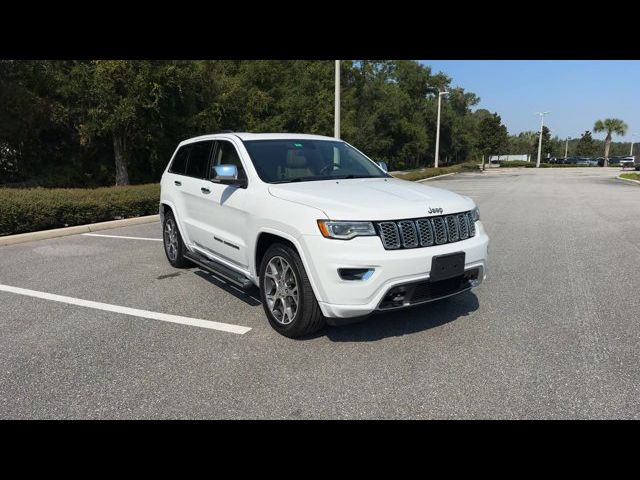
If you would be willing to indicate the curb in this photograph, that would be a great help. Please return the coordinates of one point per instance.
(629, 180)
(63, 232)
(437, 176)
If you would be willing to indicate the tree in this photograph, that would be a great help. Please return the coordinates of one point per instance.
(492, 135)
(586, 147)
(115, 99)
(609, 125)
(547, 146)
(524, 143)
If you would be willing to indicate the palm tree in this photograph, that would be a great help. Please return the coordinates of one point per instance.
(609, 125)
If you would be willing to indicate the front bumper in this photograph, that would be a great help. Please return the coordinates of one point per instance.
(340, 298)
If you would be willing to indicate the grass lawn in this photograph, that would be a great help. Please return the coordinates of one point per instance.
(630, 176)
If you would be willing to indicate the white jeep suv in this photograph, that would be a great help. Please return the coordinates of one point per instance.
(322, 230)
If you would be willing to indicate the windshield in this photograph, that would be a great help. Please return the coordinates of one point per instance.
(283, 161)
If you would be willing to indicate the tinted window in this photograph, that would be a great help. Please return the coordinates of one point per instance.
(179, 163)
(279, 161)
(226, 154)
(198, 159)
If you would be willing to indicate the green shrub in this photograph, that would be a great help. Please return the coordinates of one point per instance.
(516, 163)
(33, 209)
(400, 165)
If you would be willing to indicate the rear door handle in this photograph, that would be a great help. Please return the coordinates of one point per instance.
(205, 190)
(177, 182)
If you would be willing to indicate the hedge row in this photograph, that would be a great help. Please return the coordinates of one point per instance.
(516, 163)
(33, 209)
(434, 172)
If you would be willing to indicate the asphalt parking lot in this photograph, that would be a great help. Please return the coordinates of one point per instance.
(552, 333)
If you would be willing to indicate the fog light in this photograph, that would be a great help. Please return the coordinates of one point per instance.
(355, 273)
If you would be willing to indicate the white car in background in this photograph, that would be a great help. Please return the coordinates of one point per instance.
(322, 230)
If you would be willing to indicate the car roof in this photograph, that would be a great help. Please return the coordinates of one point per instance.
(247, 136)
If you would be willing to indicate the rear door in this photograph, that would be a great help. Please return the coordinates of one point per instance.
(196, 191)
(172, 184)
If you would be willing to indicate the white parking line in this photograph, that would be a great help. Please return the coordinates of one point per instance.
(165, 317)
(120, 236)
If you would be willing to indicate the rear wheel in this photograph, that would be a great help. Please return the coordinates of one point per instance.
(173, 245)
(286, 293)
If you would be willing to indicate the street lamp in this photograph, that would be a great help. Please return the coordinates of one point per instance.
(566, 148)
(440, 94)
(336, 116)
(633, 135)
(542, 114)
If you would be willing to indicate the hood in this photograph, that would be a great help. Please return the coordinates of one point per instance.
(372, 198)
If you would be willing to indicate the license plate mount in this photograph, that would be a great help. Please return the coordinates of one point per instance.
(447, 266)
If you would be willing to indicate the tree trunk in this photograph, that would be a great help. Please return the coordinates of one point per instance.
(607, 145)
(120, 154)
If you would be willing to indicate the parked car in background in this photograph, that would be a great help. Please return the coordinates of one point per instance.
(587, 162)
(628, 163)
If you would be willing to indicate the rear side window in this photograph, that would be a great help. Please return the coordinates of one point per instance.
(199, 159)
(179, 164)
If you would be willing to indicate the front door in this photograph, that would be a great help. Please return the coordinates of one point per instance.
(226, 212)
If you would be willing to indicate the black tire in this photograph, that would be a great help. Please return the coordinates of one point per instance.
(308, 317)
(179, 261)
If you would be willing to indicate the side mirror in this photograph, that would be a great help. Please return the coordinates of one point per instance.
(227, 174)
(383, 166)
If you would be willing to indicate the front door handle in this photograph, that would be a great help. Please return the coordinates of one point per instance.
(177, 182)
(205, 190)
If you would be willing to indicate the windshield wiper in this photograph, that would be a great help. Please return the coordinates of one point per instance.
(346, 177)
(301, 179)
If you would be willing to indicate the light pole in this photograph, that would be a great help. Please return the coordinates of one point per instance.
(542, 114)
(440, 94)
(566, 148)
(336, 116)
(631, 151)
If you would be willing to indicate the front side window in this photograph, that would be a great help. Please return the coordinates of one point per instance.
(282, 161)
(226, 154)
(199, 159)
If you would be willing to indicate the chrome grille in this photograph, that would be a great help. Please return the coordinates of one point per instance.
(472, 225)
(389, 235)
(408, 234)
(426, 232)
(439, 230)
(462, 226)
(452, 228)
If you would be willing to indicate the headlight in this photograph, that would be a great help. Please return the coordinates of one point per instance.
(475, 214)
(345, 230)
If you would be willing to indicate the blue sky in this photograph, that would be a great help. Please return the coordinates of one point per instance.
(576, 92)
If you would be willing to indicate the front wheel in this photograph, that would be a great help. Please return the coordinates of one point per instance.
(173, 245)
(286, 293)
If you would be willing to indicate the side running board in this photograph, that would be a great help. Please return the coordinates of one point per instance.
(220, 270)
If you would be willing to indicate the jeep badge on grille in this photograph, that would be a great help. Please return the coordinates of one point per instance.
(434, 210)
